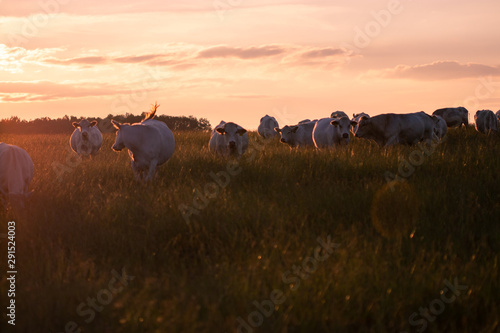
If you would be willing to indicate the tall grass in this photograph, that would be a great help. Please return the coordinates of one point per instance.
(398, 243)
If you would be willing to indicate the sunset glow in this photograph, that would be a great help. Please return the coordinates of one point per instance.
(240, 60)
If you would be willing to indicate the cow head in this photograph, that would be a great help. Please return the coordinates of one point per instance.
(338, 114)
(119, 143)
(287, 134)
(356, 117)
(363, 126)
(84, 126)
(343, 126)
(231, 133)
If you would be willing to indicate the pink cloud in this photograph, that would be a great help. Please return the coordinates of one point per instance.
(253, 52)
(45, 90)
(441, 70)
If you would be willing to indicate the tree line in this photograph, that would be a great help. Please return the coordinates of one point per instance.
(46, 125)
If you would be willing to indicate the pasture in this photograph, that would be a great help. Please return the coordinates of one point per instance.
(220, 246)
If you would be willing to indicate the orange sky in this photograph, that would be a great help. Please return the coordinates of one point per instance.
(238, 60)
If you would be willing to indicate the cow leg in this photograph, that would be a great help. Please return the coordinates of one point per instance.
(137, 172)
(392, 140)
(152, 169)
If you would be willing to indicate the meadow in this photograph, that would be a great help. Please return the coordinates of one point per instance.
(403, 239)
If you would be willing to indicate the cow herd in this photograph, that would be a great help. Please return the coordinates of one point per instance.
(151, 143)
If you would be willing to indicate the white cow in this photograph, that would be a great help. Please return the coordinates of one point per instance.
(486, 121)
(338, 114)
(299, 135)
(440, 127)
(388, 129)
(356, 117)
(454, 117)
(228, 139)
(150, 143)
(86, 139)
(331, 132)
(266, 127)
(16, 172)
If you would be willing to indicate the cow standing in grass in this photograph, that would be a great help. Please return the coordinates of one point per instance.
(389, 129)
(150, 143)
(228, 139)
(86, 139)
(16, 172)
(266, 127)
(299, 135)
(486, 121)
(332, 132)
(454, 117)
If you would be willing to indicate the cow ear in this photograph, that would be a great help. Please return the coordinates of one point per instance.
(116, 124)
(294, 129)
(353, 123)
(76, 125)
(93, 123)
(241, 131)
(334, 123)
(277, 129)
(221, 130)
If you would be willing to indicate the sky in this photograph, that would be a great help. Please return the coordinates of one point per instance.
(238, 60)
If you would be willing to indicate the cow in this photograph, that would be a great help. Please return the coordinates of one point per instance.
(266, 127)
(86, 139)
(440, 127)
(356, 117)
(299, 135)
(338, 114)
(303, 121)
(150, 143)
(486, 121)
(389, 129)
(454, 117)
(16, 172)
(331, 132)
(228, 140)
(498, 116)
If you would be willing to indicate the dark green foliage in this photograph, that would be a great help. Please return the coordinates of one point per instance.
(64, 125)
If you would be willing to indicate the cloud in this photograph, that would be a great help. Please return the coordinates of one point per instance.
(138, 59)
(13, 58)
(97, 7)
(32, 91)
(440, 70)
(327, 57)
(87, 60)
(181, 59)
(249, 96)
(18, 8)
(323, 53)
(253, 52)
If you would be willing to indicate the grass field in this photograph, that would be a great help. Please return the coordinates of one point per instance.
(220, 246)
